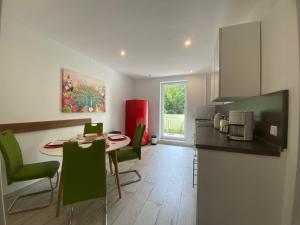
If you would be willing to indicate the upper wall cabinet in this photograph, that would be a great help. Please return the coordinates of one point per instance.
(211, 91)
(237, 62)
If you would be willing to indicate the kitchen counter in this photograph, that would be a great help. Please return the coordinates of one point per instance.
(211, 139)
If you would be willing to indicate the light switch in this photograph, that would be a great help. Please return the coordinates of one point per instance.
(273, 130)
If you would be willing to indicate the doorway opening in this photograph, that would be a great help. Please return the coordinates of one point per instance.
(173, 110)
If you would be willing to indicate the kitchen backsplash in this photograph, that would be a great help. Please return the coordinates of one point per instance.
(269, 109)
(205, 112)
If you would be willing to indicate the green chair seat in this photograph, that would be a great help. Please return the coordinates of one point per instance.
(126, 154)
(36, 171)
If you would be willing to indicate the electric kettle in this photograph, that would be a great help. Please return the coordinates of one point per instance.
(217, 118)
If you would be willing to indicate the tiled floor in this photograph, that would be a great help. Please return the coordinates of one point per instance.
(164, 197)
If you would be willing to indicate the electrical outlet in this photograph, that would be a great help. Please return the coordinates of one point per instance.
(273, 130)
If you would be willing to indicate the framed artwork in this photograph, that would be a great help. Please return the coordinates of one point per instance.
(82, 93)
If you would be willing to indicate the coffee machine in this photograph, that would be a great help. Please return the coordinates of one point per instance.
(241, 125)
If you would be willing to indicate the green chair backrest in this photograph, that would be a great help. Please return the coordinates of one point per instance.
(90, 128)
(11, 152)
(137, 139)
(84, 172)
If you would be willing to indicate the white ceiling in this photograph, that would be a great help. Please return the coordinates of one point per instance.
(151, 31)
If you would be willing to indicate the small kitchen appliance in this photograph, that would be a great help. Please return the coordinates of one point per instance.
(217, 118)
(224, 126)
(241, 125)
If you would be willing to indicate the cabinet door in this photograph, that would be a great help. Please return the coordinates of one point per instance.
(216, 85)
(215, 73)
(240, 60)
(212, 86)
(217, 70)
(208, 88)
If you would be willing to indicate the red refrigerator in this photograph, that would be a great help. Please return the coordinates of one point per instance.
(136, 113)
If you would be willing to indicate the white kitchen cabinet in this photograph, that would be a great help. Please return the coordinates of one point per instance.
(239, 189)
(216, 70)
(212, 86)
(211, 90)
(208, 99)
(213, 78)
(216, 77)
(237, 63)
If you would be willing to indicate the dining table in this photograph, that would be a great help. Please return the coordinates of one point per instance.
(113, 144)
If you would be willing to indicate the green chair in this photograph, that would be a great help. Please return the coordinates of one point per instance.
(132, 152)
(17, 171)
(84, 173)
(90, 128)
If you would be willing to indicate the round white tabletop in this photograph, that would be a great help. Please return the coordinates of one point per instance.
(113, 145)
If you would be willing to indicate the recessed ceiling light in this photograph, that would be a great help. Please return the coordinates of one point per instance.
(123, 53)
(188, 42)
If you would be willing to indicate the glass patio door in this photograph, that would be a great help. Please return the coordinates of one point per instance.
(173, 110)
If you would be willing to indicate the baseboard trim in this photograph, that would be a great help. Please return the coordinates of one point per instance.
(174, 142)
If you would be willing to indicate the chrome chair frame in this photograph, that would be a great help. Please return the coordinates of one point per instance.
(131, 181)
(10, 210)
(125, 172)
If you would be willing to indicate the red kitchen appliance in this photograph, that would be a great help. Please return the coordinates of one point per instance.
(136, 113)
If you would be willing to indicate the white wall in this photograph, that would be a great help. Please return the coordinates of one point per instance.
(280, 70)
(149, 88)
(30, 87)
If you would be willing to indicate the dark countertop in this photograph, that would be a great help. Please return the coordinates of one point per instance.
(211, 139)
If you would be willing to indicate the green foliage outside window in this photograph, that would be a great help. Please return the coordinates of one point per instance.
(174, 98)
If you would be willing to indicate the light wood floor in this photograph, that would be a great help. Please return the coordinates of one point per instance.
(164, 197)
